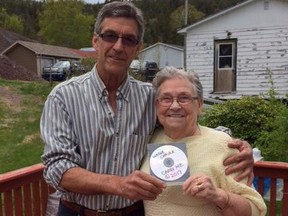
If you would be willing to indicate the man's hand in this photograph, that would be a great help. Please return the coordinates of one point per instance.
(243, 161)
(140, 186)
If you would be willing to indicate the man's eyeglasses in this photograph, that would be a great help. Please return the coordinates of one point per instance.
(127, 40)
(181, 100)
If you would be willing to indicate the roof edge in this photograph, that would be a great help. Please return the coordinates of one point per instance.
(185, 29)
(164, 44)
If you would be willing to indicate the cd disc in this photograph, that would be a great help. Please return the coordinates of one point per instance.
(168, 162)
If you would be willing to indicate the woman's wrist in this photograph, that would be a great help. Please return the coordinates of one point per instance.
(223, 202)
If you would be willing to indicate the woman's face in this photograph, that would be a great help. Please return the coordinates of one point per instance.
(180, 119)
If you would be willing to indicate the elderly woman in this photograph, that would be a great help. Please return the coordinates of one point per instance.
(179, 100)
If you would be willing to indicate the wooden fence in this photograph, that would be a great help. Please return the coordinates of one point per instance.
(24, 192)
(273, 170)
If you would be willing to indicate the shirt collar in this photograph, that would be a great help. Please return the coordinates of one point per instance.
(122, 92)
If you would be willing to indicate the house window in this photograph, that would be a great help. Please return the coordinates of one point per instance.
(225, 66)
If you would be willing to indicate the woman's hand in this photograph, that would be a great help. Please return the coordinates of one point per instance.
(201, 186)
(227, 203)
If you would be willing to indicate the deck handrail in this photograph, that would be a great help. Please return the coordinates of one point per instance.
(273, 170)
(24, 191)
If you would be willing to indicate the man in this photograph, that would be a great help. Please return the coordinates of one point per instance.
(96, 126)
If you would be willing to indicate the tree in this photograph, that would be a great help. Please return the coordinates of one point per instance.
(27, 11)
(62, 23)
(177, 16)
(213, 6)
(177, 19)
(155, 15)
(11, 22)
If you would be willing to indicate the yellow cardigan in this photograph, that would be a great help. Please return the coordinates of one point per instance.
(206, 153)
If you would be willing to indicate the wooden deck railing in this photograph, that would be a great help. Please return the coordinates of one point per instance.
(274, 170)
(24, 192)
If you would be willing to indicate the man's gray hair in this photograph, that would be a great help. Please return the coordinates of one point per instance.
(120, 9)
(170, 72)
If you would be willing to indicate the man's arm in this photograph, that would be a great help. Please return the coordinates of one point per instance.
(136, 186)
(243, 161)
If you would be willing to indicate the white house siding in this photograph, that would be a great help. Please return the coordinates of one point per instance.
(262, 45)
(163, 55)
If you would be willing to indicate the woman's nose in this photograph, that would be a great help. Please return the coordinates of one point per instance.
(175, 104)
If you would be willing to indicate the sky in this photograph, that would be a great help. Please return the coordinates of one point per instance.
(94, 1)
(88, 1)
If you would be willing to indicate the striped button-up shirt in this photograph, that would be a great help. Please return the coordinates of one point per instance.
(80, 129)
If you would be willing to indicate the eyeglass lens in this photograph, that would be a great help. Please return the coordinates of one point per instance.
(127, 40)
(183, 100)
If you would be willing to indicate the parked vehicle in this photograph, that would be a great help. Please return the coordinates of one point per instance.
(150, 69)
(58, 72)
(135, 66)
(77, 68)
(62, 70)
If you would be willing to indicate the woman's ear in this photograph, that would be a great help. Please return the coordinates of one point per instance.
(200, 106)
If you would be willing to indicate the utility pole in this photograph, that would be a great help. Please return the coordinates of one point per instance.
(186, 13)
(185, 24)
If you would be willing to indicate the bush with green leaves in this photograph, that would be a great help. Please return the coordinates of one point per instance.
(246, 117)
(274, 143)
(262, 122)
(88, 63)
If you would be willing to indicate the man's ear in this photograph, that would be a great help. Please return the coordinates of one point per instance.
(139, 48)
(95, 39)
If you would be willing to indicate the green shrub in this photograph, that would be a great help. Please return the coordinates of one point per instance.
(274, 143)
(137, 75)
(262, 122)
(246, 117)
(88, 63)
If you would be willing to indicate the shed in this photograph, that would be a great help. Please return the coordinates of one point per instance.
(163, 54)
(34, 56)
(241, 51)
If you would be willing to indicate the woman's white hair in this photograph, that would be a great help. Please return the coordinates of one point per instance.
(170, 72)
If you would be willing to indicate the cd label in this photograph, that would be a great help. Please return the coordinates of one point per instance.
(169, 162)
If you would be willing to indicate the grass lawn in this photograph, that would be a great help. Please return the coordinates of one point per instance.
(278, 208)
(21, 104)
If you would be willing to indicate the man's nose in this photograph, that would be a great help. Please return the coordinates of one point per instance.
(118, 44)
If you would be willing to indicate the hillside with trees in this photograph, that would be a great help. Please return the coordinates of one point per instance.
(69, 23)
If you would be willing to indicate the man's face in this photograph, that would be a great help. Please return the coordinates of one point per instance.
(114, 57)
(181, 116)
